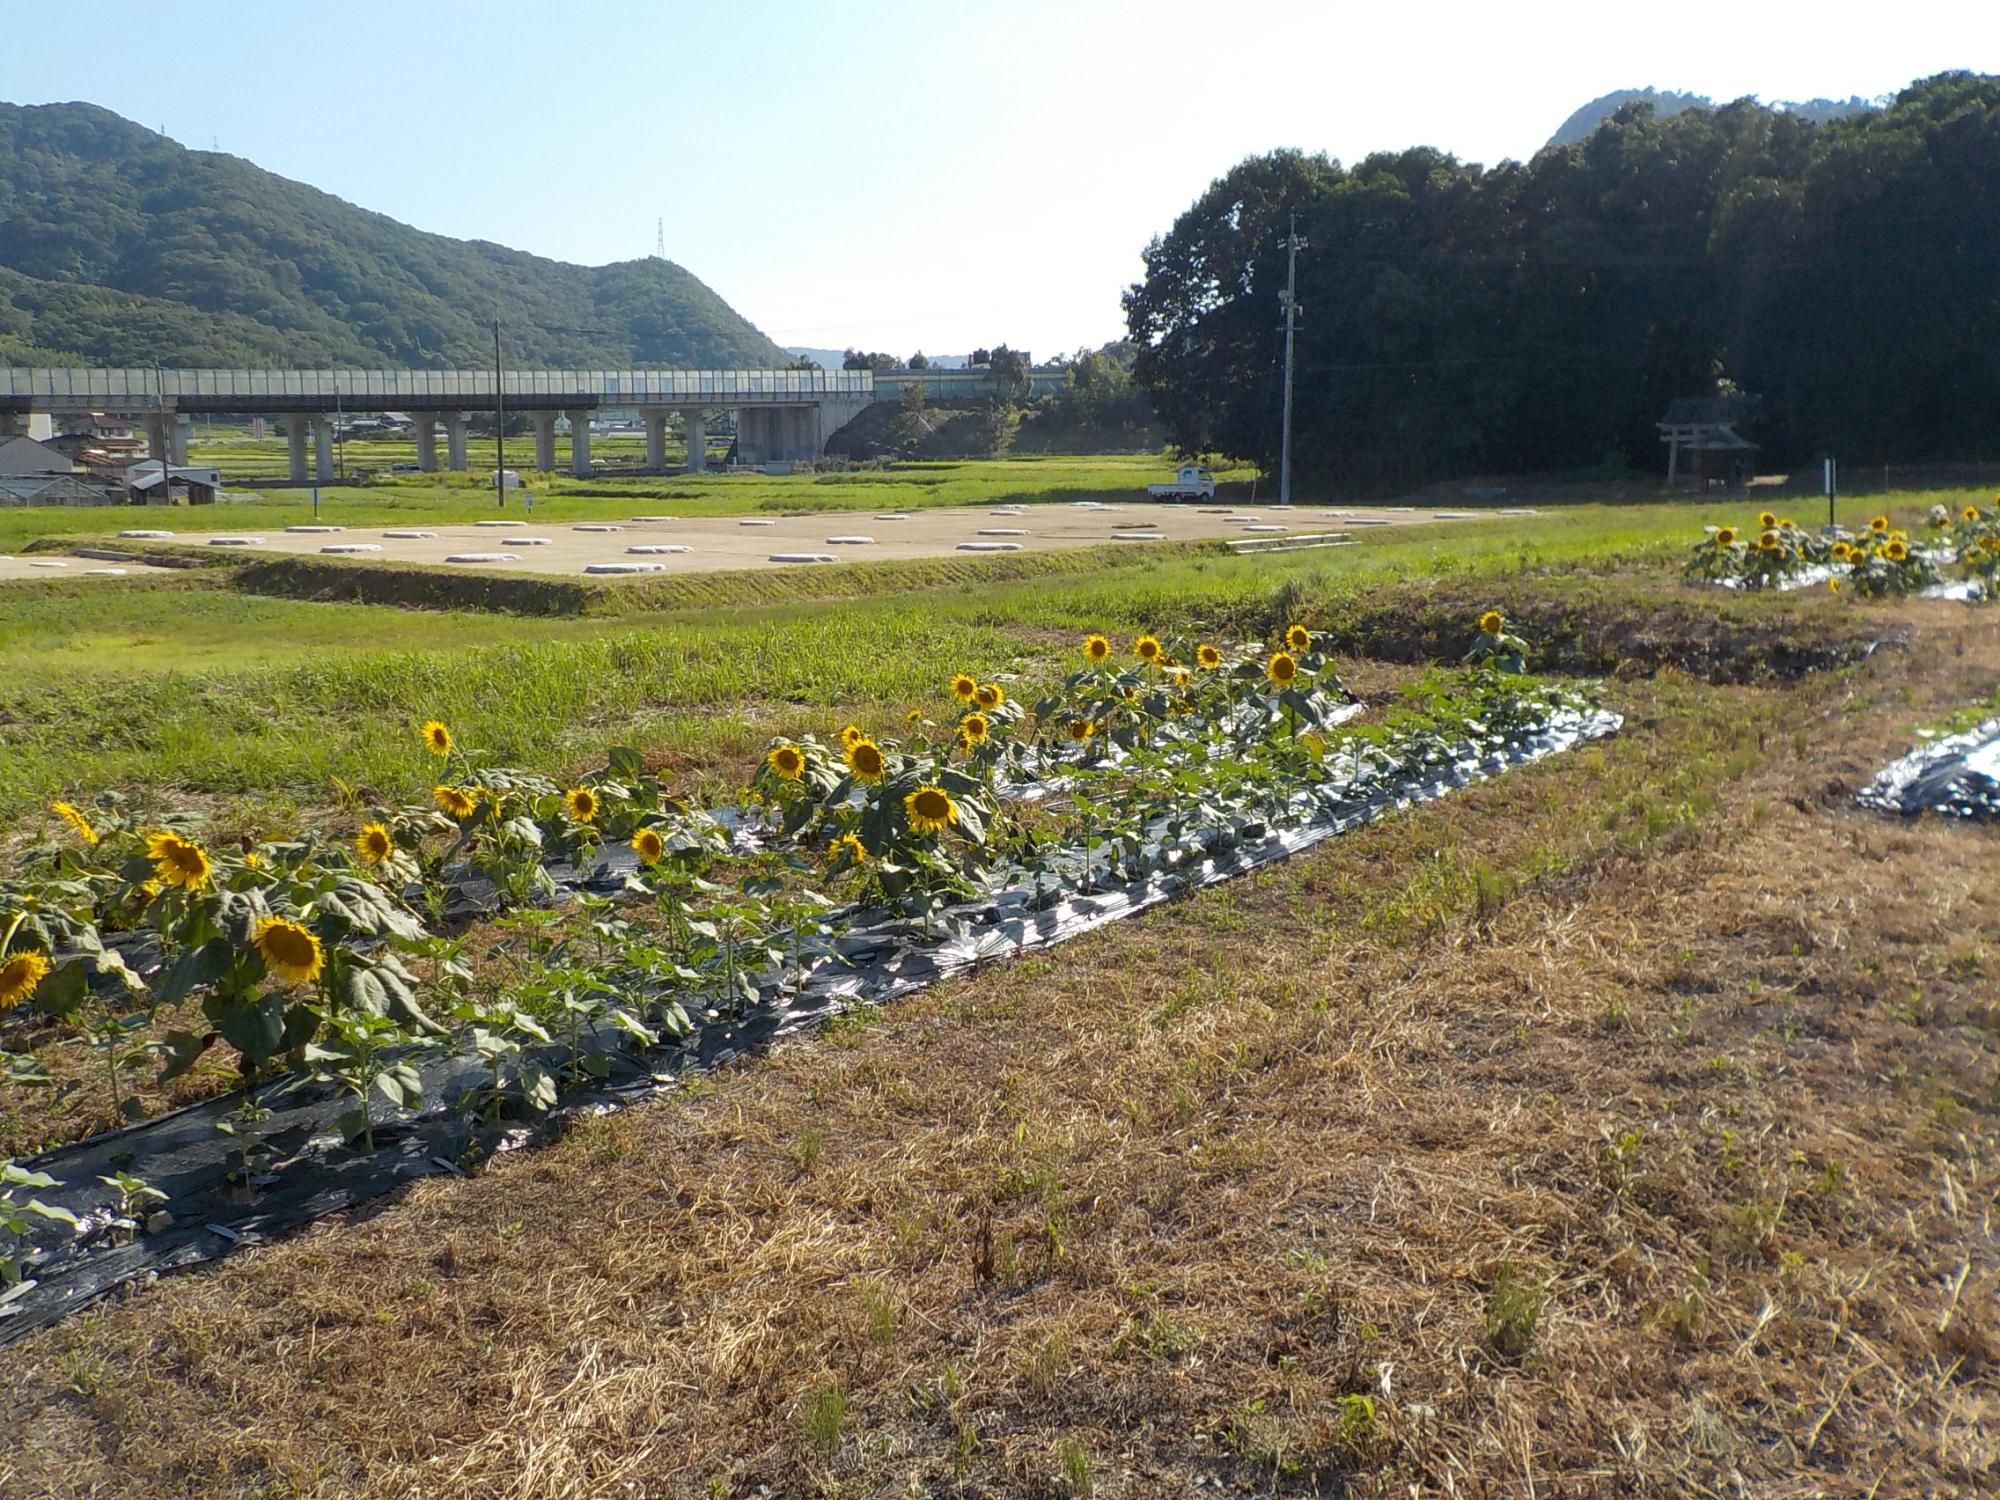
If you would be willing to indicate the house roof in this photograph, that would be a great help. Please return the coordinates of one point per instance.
(1688, 411)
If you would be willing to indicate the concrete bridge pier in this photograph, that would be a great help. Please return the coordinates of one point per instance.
(656, 436)
(13, 424)
(579, 443)
(697, 435)
(295, 439)
(322, 431)
(156, 438)
(427, 446)
(177, 441)
(545, 441)
(454, 441)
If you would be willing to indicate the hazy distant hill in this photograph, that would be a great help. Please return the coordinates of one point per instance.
(1667, 103)
(128, 247)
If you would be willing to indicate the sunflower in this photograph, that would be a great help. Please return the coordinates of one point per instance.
(789, 761)
(648, 845)
(1725, 536)
(1178, 675)
(1081, 730)
(1879, 524)
(580, 802)
(974, 727)
(849, 735)
(373, 843)
(437, 739)
(18, 977)
(1095, 649)
(1898, 550)
(1282, 668)
(454, 802)
(990, 695)
(1833, 585)
(930, 810)
(1766, 520)
(1298, 638)
(253, 861)
(847, 849)
(963, 741)
(77, 821)
(913, 718)
(1786, 523)
(1970, 513)
(1207, 656)
(1768, 542)
(1492, 622)
(1147, 648)
(964, 688)
(288, 950)
(178, 861)
(864, 759)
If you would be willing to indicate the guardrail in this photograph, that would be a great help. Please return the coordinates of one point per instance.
(147, 388)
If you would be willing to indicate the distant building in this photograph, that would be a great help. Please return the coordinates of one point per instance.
(145, 485)
(1704, 442)
(22, 457)
(54, 489)
(77, 445)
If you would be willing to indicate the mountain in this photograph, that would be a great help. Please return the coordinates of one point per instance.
(119, 245)
(1668, 103)
(829, 359)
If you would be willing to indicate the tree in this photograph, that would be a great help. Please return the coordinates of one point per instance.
(805, 362)
(907, 427)
(918, 361)
(854, 359)
(1010, 372)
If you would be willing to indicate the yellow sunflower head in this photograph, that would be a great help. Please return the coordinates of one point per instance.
(76, 821)
(964, 688)
(178, 862)
(648, 845)
(974, 727)
(289, 951)
(1878, 524)
(1833, 585)
(1096, 649)
(1492, 622)
(18, 977)
(913, 718)
(1768, 542)
(1725, 536)
(1282, 668)
(437, 739)
(990, 695)
(849, 735)
(1081, 730)
(1970, 513)
(1766, 520)
(930, 810)
(580, 802)
(1147, 648)
(1898, 550)
(789, 761)
(373, 843)
(1298, 638)
(1207, 656)
(1786, 523)
(865, 760)
(455, 802)
(848, 850)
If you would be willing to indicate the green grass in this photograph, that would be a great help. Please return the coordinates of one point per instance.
(186, 686)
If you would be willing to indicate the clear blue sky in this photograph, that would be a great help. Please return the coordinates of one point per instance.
(903, 175)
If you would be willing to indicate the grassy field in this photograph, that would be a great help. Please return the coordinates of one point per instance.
(1625, 1125)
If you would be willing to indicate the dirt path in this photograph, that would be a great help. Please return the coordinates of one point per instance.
(1625, 1126)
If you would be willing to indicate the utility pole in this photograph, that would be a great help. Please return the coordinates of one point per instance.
(1290, 298)
(499, 424)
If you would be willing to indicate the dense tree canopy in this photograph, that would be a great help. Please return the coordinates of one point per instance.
(1540, 316)
(130, 248)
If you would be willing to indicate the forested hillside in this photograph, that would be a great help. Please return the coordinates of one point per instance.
(130, 248)
(1668, 102)
(1540, 316)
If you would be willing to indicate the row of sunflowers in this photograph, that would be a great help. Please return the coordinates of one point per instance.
(1882, 560)
(630, 913)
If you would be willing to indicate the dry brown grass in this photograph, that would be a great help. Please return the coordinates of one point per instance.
(1664, 1044)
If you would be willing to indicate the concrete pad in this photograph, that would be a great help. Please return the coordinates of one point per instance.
(1138, 536)
(409, 536)
(1267, 528)
(315, 530)
(105, 572)
(146, 536)
(236, 541)
(593, 526)
(892, 518)
(501, 523)
(803, 557)
(1454, 515)
(756, 521)
(46, 562)
(1517, 510)
(1004, 531)
(661, 549)
(989, 546)
(624, 567)
(530, 541)
(656, 518)
(483, 557)
(349, 549)
(850, 541)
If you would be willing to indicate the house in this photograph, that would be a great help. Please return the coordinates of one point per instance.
(1705, 430)
(145, 485)
(22, 457)
(76, 444)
